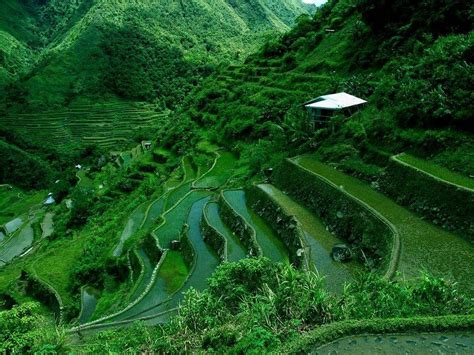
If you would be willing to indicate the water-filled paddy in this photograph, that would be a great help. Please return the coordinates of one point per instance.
(206, 261)
(272, 246)
(89, 303)
(173, 270)
(47, 225)
(133, 224)
(177, 194)
(13, 225)
(235, 249)
(154, 212)
(319, 241)
(175, 219)
(18, 243)
(169, 279)
(146, 276)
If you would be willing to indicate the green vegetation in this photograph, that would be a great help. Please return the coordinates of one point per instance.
(255, 305)
(23, 169)
(219, 174)
(92, 48)
(437, 171)
(197, 209)
(110, 125)
(174, 271)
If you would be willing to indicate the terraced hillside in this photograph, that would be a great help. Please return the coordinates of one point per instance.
(197, 223)
(179, 254)
(194, 226)
(416, 244)
(109, 125)
(317, 241)
(440, 195)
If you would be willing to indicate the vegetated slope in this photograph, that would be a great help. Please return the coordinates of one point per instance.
(136, 49)
(27, 26)
(255, 110)
(415, 74)
(22, 168)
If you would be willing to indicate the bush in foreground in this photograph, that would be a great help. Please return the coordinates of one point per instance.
(256, 305)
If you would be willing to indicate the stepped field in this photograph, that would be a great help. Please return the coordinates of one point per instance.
(249, 225)
(423, 245)
(109, 125)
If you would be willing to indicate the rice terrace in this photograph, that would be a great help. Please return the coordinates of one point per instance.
(246, 176)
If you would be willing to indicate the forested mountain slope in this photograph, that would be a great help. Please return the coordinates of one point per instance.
(60, 50)
(412, 62)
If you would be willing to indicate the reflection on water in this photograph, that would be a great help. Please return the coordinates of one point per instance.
(14, 225)
(89, 302)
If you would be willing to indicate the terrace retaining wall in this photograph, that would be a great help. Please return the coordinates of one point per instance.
(213, 238)
(245, 232)
(285, 225)
(446, 205)
(344, 216)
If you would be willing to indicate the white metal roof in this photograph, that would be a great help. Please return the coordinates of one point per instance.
(336, 101)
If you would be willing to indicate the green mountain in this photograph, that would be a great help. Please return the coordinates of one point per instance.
(235, 222)
(67, 49)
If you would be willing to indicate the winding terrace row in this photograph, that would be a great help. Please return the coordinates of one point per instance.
(307, 209)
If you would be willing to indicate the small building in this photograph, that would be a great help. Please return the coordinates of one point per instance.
(78, 166)
(321, 109)
(146, 145)
(49, 201)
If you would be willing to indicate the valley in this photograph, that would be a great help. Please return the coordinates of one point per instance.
(167, 187)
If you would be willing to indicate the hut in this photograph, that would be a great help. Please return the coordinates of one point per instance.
(321, 109)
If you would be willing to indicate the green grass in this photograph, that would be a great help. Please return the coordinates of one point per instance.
(83, 180)
(15, 202)
(219, 174)
(55, 265)
(436, 170)
(423, 245)
(174, 271)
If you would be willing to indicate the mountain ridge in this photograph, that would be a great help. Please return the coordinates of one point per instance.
(203, 32)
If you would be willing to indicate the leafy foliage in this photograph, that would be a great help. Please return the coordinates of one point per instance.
(432, 88)
(23, 169)
(141, 68)
(254, 306)
(92, 48)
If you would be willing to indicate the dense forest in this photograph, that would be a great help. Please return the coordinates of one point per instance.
(65, 50)
(234, 224)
